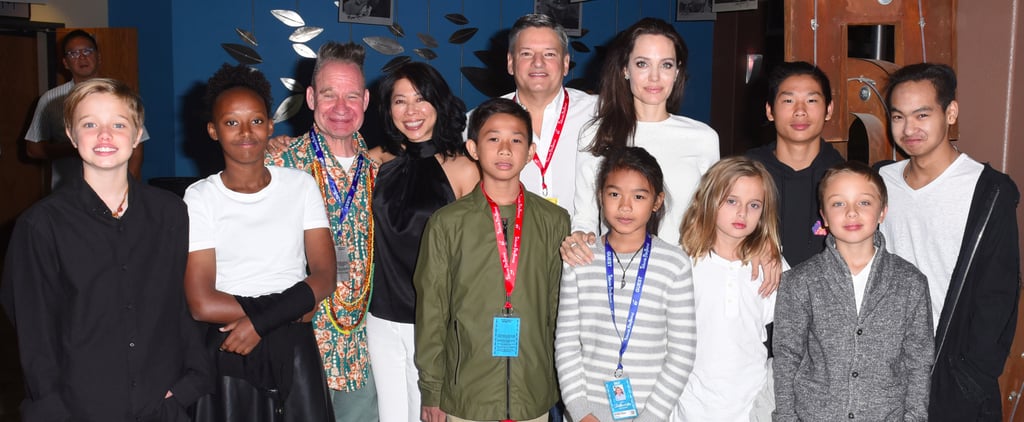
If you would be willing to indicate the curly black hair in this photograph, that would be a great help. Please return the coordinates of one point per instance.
(228, 77)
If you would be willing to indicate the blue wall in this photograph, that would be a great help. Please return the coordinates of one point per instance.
(180, 47)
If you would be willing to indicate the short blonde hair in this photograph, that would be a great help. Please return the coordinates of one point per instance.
(104, 86)
(698, 230)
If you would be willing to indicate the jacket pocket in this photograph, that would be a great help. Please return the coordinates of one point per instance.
(971, 387)
(458, 355)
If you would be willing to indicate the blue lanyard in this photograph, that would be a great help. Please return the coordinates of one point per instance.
(314, 140)
(641, 272)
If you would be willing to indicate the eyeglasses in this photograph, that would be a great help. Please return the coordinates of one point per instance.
(82, 52)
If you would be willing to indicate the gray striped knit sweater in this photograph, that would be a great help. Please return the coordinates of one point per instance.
(661, 350)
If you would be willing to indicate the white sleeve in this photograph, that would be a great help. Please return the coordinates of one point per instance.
(587, 216)
(314, 216)
(201, 227)
(38, 130)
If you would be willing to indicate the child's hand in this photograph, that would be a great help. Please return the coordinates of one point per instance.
(432, 414)
(278, 144)
(772, 273)
(243, 337)
(574, 249)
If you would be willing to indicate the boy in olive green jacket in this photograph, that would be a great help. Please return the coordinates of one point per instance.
(487, 285)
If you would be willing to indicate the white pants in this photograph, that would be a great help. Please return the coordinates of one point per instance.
(391, 349)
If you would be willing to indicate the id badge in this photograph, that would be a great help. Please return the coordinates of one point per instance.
(620, 398)
(341, 254)
(505, 343)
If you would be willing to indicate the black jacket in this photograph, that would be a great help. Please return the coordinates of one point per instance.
(979, 315)
(798, 200)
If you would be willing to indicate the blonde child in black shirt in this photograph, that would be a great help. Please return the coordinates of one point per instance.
(92, 282)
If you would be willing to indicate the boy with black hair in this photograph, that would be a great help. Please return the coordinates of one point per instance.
(485, 315)
(968, 249)
(799, 103)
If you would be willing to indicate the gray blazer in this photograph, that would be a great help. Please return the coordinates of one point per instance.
(831, 363)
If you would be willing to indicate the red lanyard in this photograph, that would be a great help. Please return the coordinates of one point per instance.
(508, 266)
(554, 141)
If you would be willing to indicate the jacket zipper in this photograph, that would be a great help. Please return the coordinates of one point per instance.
(990, 205)
(458, 353)
(508, 388)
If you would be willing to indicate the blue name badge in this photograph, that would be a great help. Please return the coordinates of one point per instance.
(506, 337)
(620, 398)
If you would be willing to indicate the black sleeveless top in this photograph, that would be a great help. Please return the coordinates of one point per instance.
(408, 190)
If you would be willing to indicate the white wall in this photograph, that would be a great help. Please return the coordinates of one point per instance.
(72, 13)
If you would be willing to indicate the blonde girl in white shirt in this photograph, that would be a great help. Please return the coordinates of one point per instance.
(732, 218)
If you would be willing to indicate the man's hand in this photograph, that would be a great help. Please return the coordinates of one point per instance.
(574, 249)
(243, 337)
(432, 414)
(278, 144)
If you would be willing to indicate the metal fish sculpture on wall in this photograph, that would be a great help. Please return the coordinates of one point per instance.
(305, 33)
(462, 35)
(456, 18)
(397, 30)
(384, 45)
(246, 36)
(288, 17)
(288, 108)
(425, 53)
(428, 40)
(243, 53)
(304, 51)
(394, 63)
(292, 85)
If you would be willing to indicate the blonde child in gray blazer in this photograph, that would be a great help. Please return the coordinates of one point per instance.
(853, 331)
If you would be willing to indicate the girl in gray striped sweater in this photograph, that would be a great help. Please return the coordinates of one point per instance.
(625, 336)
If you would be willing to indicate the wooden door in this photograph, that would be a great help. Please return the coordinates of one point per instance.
(22, 182)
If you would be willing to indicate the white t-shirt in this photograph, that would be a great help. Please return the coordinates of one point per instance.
(685, 149)
(561, 172)
(926, 226)
(732, 363)
(259, 238)
(860, 282)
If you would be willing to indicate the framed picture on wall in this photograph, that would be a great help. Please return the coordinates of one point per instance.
(374, 12)
(694, 10)
(565, 12)
(734, 5)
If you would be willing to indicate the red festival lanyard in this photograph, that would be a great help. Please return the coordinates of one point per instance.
(508, 266)
(554, 142)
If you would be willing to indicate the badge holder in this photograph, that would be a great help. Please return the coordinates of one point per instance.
(620, 397)
(505, 338)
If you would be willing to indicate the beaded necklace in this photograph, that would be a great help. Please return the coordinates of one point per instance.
(336, 307)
